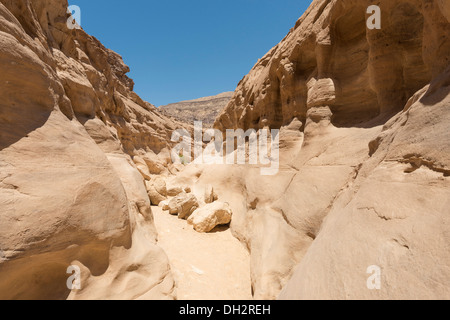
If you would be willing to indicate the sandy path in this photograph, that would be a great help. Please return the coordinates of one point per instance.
(212, 266)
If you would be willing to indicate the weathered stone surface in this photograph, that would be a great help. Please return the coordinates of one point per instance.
(210, 216)
(204, 109)
(69, 191)
(142, 167)
(210, 195)
(160, 186)
(364, 160)
(155, 197)
(183, 205)
(164, 205)
(174, 191)
(157, 190)
(330, 58)
(365, 181)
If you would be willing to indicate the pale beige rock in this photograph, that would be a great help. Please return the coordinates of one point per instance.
(142, 167)
(174, 191)
(164, 205)
(154, 163)
(183, 205)
(372, 143)
(322, 93)
(157, 190)
(144, 263)
(69, 191)
(155, 197)
(210, 216)
(210, 195)
(331, 59)
(364, 161)
(160, 186)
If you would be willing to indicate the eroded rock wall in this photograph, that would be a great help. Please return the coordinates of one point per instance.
(332, 66)
(70, 192)
(366, 182)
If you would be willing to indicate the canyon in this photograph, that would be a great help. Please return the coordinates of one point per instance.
(87, 179)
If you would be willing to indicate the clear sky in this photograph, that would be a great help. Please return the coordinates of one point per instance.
(180, 49)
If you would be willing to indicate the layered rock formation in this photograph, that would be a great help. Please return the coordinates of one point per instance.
(204, 109)
(70, 193)
(367, 180)
(364, 176)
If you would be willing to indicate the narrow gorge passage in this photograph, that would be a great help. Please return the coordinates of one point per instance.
(336, 141)
(206, 266)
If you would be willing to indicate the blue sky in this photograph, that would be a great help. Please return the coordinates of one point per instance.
(180, 50)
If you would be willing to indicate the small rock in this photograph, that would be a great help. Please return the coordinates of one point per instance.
(155, 197)
(210, 195)
(197, 270)
(164, 205)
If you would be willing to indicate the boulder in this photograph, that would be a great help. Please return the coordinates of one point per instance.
(142, 167)
(183, 205)
(155, 197)
(153, 164)
(210, 216)
(157, 191)
(160, 186)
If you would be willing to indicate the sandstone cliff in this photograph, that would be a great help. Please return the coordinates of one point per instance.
(70, 192)
(364, 174)
(204, 109)
(368, 183)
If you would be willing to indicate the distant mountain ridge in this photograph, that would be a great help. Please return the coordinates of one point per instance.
(204, 109)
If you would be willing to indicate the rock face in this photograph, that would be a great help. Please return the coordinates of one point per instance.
(203, 109)
(365, 179)
(332, 60)
(70, 193)
(210, 216)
